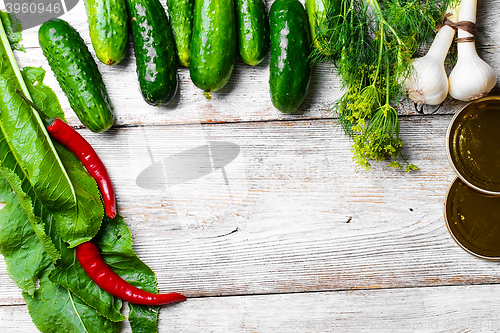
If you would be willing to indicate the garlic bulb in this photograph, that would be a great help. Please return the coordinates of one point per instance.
(472, 77)
(428, 82)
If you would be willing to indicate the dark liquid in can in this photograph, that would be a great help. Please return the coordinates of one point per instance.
(473, 219)
(474, 145)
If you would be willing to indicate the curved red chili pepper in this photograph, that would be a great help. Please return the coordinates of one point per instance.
(87, 253)
(96, 268)
(72, 140)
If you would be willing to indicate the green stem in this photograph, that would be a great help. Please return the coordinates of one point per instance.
(387, 99)
(76, 311)
(380, 53)
(426, 7)
(380, 16)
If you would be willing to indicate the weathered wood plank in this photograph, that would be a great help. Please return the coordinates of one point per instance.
(440, 309)
(246, 96)
(291, 213)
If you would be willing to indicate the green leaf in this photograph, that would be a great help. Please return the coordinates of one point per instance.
(78, 221)
(54, 306)
(26, 148)
(143, 319)
(42, 95)
(54, 309)
(25, 145)
(27, 260)
(13, 30)
(115, 241)
(56, 194)
(76, 227)
(25, 208)
(70, 274)
(23, 252)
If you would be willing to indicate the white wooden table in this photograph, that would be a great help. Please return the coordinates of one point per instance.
(290, 236)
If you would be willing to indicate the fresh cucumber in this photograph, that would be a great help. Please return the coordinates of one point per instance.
(213, 47)
(108, 27)
(181, 19)
(154, 48)
(77, 74)
(252, 29)
(290, 69)
(316, 12)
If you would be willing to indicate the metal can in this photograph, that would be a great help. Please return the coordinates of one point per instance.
(472, 204)
(473, 144)
(473, 220)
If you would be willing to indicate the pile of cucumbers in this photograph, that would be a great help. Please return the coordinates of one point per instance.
(204, 35)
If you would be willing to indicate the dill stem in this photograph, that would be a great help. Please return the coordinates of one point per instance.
(426, 7)
(387, 98)
(380, 53)
(380, 16)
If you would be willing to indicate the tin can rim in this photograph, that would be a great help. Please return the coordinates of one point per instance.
(457, 114)
(450, 229)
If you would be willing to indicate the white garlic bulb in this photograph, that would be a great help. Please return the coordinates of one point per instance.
(428, 81)
(472, 77)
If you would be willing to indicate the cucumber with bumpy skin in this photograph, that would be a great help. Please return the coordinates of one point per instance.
(290, 69)
(154, 49)
(77, 74)
(181, 19)
(213, 46)
(252, 29)
(108, 28)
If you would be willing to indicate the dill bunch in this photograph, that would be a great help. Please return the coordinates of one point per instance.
(372, 44)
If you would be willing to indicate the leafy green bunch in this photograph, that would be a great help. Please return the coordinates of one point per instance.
(51, 205)
(372, 44)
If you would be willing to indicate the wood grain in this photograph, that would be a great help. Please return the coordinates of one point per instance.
(295, 215)
(289, 236)
(446, 309)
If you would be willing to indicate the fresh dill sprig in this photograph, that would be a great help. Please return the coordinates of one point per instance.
(372, 44)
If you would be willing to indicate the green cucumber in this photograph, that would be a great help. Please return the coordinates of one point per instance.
(108, 28)
(316, 12)
(77, 74)
(290, 69)
(181, 19)
(213, 46)
(252, 29)
(154, 48)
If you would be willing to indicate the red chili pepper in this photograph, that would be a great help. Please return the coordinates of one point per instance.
(90, 259)
(72, 140)
(87, 253)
